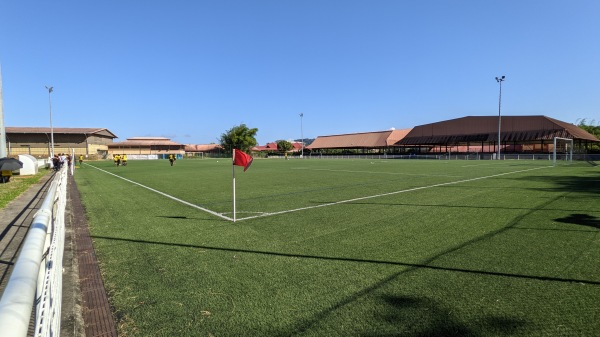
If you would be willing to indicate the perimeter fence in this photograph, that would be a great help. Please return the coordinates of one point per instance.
(36, 279)
(456, 156)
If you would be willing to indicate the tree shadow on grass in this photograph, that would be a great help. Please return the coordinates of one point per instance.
(420, 317)
(577, 184)
(424, 317)
(581, 219)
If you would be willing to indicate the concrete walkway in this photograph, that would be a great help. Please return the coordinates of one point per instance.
(15, 220)
(85, 308)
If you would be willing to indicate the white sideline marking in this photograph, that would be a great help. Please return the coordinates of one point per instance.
(386, 194)
(167, 195)
(373, 172)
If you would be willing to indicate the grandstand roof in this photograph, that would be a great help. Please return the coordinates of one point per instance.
(485, 129)
(376, 139)
(87, 131)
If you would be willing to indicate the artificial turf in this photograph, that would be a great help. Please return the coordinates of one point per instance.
(348, 247)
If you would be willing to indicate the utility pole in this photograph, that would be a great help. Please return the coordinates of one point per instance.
(302, 135)
(50, 89)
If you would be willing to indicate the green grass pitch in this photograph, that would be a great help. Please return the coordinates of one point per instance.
(348, 247)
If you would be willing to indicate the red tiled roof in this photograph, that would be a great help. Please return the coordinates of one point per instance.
(259, 148)
(358, 140)
(397, 135)
(202, 147)
(296, 146)
(148, 138)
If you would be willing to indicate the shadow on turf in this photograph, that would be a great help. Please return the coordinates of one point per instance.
(425, 205)
(576, 184)
(422, 316)
(410, 265)
(439, 327)
(581, 219)
(443, 325)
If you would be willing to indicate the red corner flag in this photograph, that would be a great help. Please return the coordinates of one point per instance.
(241, 159)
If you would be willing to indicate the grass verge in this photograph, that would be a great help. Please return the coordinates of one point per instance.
(17, 185)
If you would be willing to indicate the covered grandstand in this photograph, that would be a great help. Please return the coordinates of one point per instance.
(479, 134)
(37, 141)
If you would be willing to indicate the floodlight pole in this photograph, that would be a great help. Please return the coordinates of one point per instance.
(2, 128)
(50, 89)
(302, 135)
(499, 80)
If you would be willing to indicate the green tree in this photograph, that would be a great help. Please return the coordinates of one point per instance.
(239, 137)
(590, 127)
(284, 145)
(594, 130)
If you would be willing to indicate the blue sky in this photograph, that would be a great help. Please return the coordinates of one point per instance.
(190, 70)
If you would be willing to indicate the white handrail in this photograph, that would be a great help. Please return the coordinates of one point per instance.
(38, 266)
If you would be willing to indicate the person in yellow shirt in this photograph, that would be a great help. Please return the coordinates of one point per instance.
(6, 174)
(172, 159)
(124, 160)
(80, 160)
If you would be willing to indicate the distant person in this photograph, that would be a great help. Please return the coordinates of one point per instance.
(172, 159)
(55, 162)
(63, 159)
(80, 160)
(124, 160)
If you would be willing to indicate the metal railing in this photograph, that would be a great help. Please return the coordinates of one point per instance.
(36, 278)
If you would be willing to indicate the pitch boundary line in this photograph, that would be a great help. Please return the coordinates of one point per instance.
(372, 172)
(387, 194)
(166, 195)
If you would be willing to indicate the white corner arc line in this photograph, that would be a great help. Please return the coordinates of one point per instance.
(389, 193)
(166, 195)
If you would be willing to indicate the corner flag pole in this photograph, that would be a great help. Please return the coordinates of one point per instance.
(233, 167)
